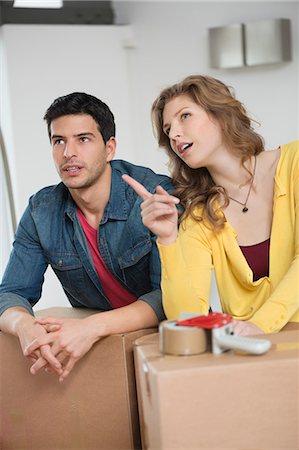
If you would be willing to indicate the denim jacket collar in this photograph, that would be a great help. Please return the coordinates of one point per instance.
(116, 207)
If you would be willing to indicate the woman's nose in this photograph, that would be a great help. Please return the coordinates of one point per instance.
(175, 132)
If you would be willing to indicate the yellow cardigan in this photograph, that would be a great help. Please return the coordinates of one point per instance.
(269, 302)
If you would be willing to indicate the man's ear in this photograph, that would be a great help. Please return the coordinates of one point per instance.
(111, 148)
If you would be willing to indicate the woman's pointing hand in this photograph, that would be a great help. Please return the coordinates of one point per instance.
(159, 212)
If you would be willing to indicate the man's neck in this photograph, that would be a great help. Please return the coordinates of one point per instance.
(92, 201)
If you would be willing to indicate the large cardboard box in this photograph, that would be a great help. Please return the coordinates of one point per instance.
(225, 401)
(94, 408)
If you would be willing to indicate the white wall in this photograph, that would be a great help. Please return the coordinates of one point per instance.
(171, 40)
(6, 226)
(127, 67)
(40, 64)
(44, 62)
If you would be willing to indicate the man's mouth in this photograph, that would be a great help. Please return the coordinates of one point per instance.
(72, 169)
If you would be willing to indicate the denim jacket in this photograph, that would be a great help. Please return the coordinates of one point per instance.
(50, 233)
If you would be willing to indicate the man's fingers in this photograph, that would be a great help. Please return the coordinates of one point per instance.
(47, 357)
(69, 366)
(48, 320)
(50, 328)
(39, 364)
(138, 187)
(38, 342)
(45, 363)
(47, 353)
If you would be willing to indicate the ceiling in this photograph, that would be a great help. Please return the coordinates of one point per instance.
(72, 12)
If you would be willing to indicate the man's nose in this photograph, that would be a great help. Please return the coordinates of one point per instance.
(70, 150)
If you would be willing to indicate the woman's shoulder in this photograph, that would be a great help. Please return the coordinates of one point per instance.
(289, 157)
(290, 150)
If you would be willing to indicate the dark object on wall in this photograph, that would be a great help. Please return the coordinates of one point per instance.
(72, 12)
(251, 44)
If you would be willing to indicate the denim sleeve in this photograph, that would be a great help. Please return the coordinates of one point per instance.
(154, 298)
(24, 274)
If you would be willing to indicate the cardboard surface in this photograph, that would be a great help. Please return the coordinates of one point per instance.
(95, 408)
(225, 401)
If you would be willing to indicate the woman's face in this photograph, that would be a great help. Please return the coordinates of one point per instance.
(193, 134)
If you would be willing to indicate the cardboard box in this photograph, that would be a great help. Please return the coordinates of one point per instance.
(95, 408)
(225, 401)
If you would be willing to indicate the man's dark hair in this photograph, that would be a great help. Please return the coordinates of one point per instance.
(81, 103)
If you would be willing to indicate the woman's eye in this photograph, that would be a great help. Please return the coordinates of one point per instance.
(167, 131)
(185, 116)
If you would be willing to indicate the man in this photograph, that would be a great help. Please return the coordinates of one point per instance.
(89, 229)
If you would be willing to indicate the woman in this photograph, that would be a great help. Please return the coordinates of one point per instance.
(241, 207)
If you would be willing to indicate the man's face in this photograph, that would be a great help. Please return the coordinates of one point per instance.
(81, 157)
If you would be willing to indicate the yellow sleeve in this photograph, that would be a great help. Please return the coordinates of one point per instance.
(283, 304)
(186, 272)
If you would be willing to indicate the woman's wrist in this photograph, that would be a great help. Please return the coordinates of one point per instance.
(167, 240)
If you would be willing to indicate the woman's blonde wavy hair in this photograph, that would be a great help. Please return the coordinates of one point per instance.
(195, 187)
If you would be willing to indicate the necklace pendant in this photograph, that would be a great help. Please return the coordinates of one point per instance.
(245, 209)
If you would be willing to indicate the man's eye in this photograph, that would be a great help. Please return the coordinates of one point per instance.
(84, 139)
(185, 116)
(58, 141)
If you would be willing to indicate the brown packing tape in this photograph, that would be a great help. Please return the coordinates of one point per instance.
(181, 341)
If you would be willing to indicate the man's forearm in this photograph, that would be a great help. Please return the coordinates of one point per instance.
(133, 317)
(14, 318)
(74, 337)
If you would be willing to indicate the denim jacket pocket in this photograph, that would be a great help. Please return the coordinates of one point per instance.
(135, 267)
(64, 261)
(70, 272)
(132, 256)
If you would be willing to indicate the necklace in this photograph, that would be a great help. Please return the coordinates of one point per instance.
(245, 209)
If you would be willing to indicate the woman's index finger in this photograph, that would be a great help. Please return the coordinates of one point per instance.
(138, 187)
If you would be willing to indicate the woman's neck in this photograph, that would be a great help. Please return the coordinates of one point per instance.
(229, 172)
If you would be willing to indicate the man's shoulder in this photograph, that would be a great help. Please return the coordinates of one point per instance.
(142, 174)
(49, 194)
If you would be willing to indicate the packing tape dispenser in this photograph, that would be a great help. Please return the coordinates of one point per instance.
(198, 334)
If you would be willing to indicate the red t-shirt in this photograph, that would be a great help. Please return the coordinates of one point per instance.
(117, 295)
(257, 257)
